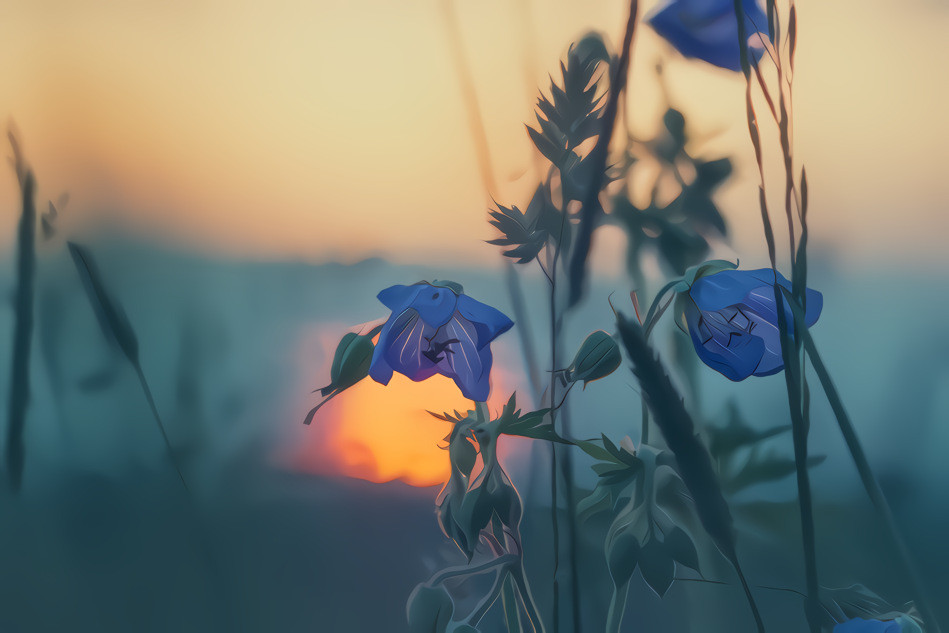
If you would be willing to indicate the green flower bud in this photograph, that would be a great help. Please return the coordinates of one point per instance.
(598, 356)
(351, 362)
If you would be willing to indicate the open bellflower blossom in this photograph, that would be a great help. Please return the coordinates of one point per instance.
(732, 319)
(708, 30)
(437, 329)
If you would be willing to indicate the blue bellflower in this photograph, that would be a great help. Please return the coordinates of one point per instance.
(733, 322)
(708, 30)
(859, 625)
(435, 330)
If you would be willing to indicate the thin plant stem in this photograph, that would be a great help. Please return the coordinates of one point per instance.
(512, 614)
(869, 481)
(614, 616)
(527, 599)
(598, 158)
(488, 601)
(23, 324)
(554, 471)
(161, 426)
(505, 560)
(789, 350)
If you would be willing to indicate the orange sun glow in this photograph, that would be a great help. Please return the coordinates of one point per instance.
(381, 433)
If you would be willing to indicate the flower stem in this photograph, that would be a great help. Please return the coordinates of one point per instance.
(554, 471)
(790, 350)
(614, 617)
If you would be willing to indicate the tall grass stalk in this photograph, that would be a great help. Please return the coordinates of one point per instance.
(790, 350)
(23, 319)
(118, 330)
(589, 211)
(870, 484)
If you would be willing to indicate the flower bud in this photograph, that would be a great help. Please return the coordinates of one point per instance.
(598, 356)
(351, 362)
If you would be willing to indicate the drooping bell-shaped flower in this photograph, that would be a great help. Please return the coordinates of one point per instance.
(732, 318)
(437, 329)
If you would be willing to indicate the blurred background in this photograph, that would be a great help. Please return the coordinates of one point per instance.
(249, 176)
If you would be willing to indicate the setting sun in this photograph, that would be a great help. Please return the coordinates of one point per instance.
(380, 433)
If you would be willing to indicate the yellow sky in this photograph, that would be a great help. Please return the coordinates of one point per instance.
(335, 129)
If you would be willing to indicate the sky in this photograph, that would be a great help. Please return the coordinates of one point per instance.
(336, 130)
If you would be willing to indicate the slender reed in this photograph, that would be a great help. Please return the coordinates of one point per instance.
(598, 157)
(790, 350)
(118, 330)
(23, 323)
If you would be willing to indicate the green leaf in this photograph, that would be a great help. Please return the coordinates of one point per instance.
(622, 556)
(679, 545)
(599, 500)
(596, 451)
(350, 362)
(520, 230)
(657, 566)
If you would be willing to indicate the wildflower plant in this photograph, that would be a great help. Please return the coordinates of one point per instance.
(665, 499)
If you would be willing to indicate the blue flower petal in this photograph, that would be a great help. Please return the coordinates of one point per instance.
(434, 304)
(488, 322)
(401, 342)
(730, 287)
(859, 625)
(398, 298)
(753, 289)
(732, 352)
(771, 359)
(708, 30)
(464, 362)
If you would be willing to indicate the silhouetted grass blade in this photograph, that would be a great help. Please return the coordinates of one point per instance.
(598, 159)
(695, 464)
(23, 324)
(112, 319)
(118, 330)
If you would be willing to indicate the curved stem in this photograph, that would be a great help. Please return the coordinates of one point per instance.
(614, 617)
(161, 427)
(488, 601)
(471, 570)
(527, 599)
